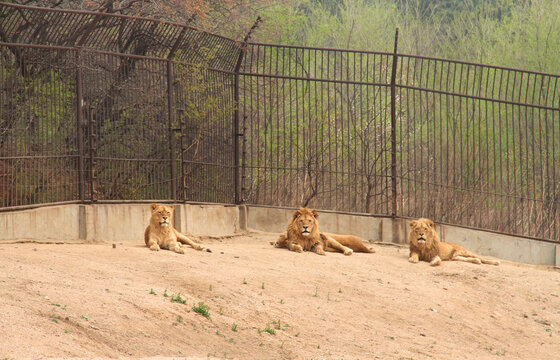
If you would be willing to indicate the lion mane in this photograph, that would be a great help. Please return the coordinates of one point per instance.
(303, 235)
(160, 233)
(426, 246)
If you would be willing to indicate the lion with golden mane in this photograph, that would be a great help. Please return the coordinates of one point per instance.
(161, 234)
(303, 235)
(426, 246)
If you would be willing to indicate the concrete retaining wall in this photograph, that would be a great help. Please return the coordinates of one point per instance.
(396, 231)
(125, 223)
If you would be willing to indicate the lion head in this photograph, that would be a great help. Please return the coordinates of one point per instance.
(423, 234)
(161, 215)
(304, 223)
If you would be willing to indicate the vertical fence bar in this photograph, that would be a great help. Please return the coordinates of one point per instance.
(394, 128)
(236, 134)
(171, 118)
(92, 154)
(79, 113)
(236, 128)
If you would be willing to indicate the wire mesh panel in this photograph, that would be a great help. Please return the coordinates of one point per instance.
(204, 104)
(317, 124)
(38, 147)
(126, 100)
(479, 146)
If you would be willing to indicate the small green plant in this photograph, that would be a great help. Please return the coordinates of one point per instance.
(210, 287)
(66, 331)
(84, 317)
(316, 291)
(339, 290)
(54, 320)
(269, 330)
(221, 311)
(152, 292)
(202, 309)
(281, 301)
(244, 281)
(296, 335)
(262, 286)
(179, 319)
(234, 327)
(220, 334)
(178, 298)
(278, 325)
(165, 293)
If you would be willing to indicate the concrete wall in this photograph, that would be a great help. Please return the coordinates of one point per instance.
(368, 227)
(502, 246)
(53, 223)
(396, 231)
(125, 223)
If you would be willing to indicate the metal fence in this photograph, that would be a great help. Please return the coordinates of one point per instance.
(99, 107)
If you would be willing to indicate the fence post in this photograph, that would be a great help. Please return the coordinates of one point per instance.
(171, 118)
(394, 128)
(236, 128)
(79, 123)
(236, 134)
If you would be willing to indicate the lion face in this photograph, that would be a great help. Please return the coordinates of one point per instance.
(161, 215)
(304, 221)
(422, 233)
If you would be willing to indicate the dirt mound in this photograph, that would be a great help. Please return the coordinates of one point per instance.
(248, 300)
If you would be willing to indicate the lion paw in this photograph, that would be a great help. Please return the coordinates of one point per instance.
(436, 261)
(179, 250)
(348, 252)
(154, 247)
(298, 248)
(413, 260)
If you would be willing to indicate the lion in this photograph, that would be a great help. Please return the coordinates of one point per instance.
(160, 233)
(426, 246)
(303, 235)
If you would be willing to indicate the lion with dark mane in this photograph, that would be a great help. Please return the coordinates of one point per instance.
(426, 246)
(303, 235)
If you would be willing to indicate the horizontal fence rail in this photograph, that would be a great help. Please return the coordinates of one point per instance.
(104, 107)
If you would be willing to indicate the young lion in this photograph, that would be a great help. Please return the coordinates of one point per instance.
(303, 234)
(426, 246)
(161, 234)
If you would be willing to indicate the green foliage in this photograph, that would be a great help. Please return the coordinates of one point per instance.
(202, 309)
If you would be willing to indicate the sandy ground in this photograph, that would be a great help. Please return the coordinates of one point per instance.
(96, 301)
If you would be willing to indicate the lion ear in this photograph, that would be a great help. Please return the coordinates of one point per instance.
(413, 223)
(315, 214)
(295, 215)
(153, 206)
(172, 207)
(430, 223)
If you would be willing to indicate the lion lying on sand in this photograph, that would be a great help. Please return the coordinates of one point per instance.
(426, 246)
(303, 235)
(161, 234)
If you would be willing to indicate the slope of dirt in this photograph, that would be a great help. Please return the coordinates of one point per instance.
(96, 301)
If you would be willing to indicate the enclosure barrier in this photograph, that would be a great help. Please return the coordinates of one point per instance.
(100, 107)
